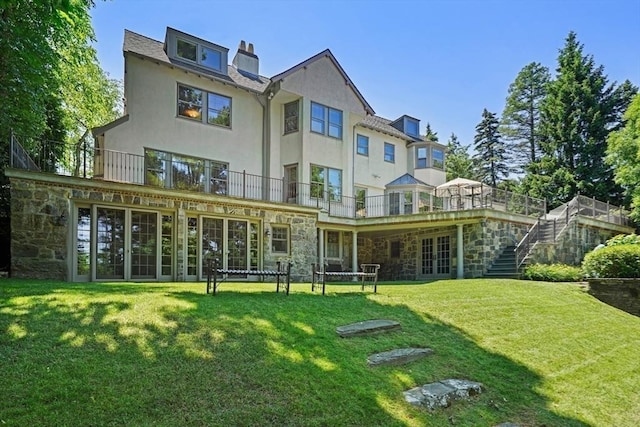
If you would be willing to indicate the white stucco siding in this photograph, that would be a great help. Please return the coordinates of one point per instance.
(372, 171)
(151, 94)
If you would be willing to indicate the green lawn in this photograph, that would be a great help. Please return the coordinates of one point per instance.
(168, 355)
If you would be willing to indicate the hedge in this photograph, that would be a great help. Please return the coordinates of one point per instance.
(553, 273)
(616, 261)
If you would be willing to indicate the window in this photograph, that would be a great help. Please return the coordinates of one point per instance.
(326, 182)
(333, 244)
(412, 127)
(219, 110)
(361, 197)
(191, 104)
(280, 239)
(421, 157)
(362, 145)
(187, 50)
(185, 173)
(291, 112)
(437, 158)
(394, 203)
(207, 57)
(389, 153)
(394, 249)
(326, 120)
(211, 58)
(408, 202)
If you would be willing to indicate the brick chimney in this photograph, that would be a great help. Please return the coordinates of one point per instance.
(245, 60)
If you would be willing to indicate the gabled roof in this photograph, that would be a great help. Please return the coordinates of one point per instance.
(407, 179)
(383, 125)
(326, 53)
(146, 47)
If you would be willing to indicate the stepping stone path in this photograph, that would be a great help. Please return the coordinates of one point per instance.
(398, 356)
(368, 327)
(442, 393)
(434, 395)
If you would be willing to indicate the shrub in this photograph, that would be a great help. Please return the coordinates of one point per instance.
(553, 273)
(617, 261)
(624, 239)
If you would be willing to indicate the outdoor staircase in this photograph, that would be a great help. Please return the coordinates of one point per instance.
(505, 265)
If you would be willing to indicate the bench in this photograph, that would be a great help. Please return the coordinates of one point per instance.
(368, 276)
(282, 274)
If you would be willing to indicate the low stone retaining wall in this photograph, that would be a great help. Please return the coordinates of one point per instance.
(620, 293)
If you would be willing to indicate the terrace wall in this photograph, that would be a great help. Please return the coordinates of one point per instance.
(41, 228)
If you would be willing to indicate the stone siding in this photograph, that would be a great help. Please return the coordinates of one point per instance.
(620, 293)
(571, 245)
(40, 226)
(484, 242)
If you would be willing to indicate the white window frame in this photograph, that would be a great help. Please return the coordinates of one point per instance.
(277, 237)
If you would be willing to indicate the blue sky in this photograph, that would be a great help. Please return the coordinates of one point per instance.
(440, 61)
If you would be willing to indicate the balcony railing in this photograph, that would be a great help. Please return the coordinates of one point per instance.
(209, 177)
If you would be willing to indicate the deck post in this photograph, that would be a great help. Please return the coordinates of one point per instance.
(460, 255)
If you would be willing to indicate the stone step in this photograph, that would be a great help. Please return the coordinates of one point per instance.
(442, 393)
(399, 356)
(367, 327)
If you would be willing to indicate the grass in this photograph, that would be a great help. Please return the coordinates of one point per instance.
(168, 354)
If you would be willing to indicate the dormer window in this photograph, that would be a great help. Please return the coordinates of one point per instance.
(192, 50)
(186, 50)
(408, 125)
(412, 127)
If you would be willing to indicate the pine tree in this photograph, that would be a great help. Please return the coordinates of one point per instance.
(521, 116)
(576, 116)
(490, 158)
(458, 163)
(430, 135)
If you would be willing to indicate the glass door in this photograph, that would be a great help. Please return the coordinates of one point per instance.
(435, 256)
(110, 243)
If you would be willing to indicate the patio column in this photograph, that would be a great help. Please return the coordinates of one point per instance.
(460, 255)
(354, 253)
(321, 246)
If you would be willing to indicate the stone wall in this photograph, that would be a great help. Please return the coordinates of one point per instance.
(41, 230)
(620, 293)
(571, 245)
(484, 242)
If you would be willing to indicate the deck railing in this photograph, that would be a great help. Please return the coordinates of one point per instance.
(200, 175)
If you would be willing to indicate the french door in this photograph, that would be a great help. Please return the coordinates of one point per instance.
(232, 243)
(130, 244)
(435, 256)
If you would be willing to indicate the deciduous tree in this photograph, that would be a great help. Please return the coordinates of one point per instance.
(458, 163)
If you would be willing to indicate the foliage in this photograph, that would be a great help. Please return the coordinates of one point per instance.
(576, 115)
(51, 86)
(623, 153)
(624, 239)
(167, 354)
(521, 115)
(491, 157)
(616, 261)
(553, 273)
(430, 135)
(458, 163)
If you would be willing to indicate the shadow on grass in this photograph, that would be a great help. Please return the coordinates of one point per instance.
(102, 354)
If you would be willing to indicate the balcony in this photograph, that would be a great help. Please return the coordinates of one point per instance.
(202, 176)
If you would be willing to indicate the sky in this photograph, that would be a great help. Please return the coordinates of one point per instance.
(439, 61)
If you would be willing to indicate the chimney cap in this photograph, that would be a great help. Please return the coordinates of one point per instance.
(250, 50)
(242, 46)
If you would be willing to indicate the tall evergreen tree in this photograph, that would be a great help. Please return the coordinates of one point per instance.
(490, 158)
(521, 116)
(576, 116)
(430, 135)
(458, 163)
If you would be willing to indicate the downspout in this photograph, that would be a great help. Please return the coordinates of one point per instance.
(265, 103)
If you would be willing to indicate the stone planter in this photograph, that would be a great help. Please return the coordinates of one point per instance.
(620, 293)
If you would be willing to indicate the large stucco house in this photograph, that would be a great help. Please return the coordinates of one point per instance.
(216, 160)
